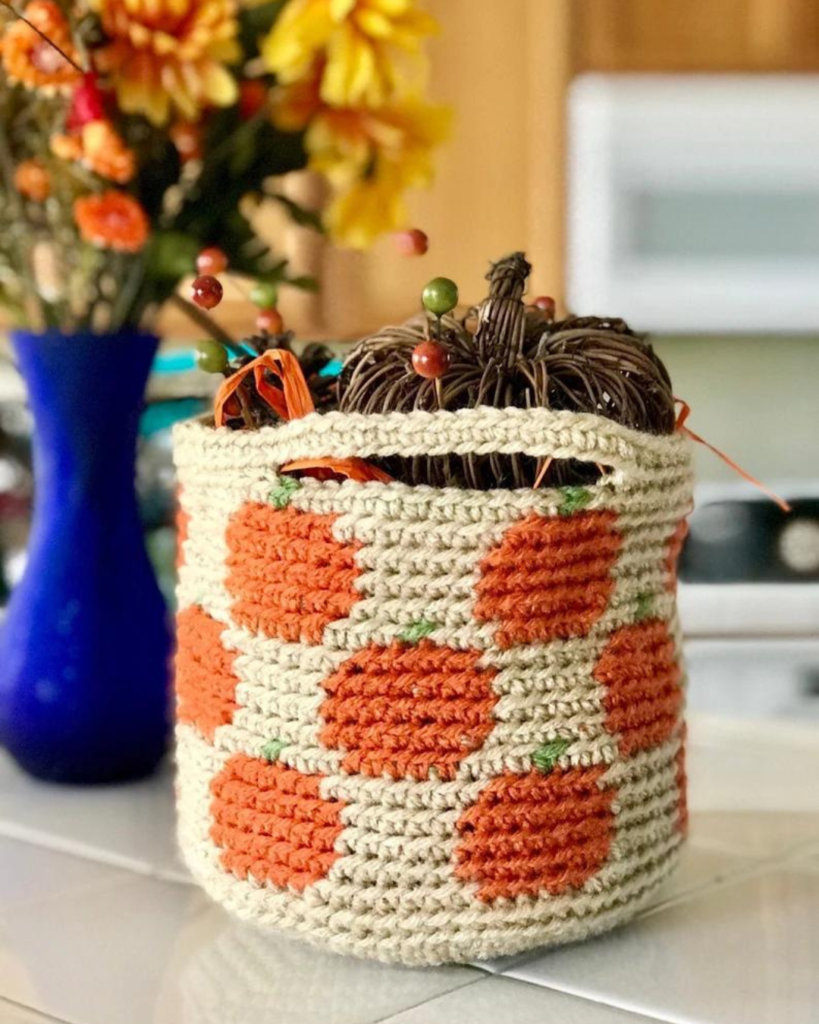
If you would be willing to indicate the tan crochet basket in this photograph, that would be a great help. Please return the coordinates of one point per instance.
(430, 725)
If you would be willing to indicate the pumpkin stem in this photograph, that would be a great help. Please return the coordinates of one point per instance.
(502, 316)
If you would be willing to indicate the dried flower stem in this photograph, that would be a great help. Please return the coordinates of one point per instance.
(42, 35)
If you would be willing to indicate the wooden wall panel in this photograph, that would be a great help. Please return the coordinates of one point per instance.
(697, 35)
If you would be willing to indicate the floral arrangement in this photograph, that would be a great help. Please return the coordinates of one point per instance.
(135, 133)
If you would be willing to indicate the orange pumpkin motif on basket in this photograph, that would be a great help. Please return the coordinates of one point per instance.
(549, 578)
(288, 575)
(535, 833)
(673, 552)
(643, 697)
(272, 823)
(205, 681)
(406, 711)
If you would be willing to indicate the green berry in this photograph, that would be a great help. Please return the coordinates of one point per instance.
(440, 296)
(211, 356)
(264, 295)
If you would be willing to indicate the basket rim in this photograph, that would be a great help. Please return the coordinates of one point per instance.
(481, 430)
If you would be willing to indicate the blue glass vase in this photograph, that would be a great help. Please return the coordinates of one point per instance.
(85, 643)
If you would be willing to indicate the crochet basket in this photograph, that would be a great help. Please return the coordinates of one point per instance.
(421, 724)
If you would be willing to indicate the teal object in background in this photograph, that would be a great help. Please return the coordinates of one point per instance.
(162, 415)
(331, 369)
(180, 361)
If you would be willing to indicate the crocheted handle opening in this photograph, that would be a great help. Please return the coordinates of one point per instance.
(481, 432)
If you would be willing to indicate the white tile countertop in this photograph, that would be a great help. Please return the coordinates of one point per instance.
(99, 923)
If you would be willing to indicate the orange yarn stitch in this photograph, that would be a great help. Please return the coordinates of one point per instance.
(549, 578)
(183, 521)
(288, 574)
(405, 711)
(532, 833)
(673, 552)
(643, 697)
(272, 823)
(205, 681)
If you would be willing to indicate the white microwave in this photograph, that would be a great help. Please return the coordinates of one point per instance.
(694, 201)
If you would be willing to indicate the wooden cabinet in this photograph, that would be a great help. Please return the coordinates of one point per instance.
(696, 35)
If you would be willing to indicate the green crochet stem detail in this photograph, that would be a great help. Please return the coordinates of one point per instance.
(574, 499)
(417, 631)
(284, 490)
(547, 756)
(272, 749)
(645, 606)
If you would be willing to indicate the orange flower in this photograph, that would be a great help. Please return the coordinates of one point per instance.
(112, 220)
(66, 147)
(30, 61)
(99, 147)
(169, 55)
(106, 154)
(33, 181)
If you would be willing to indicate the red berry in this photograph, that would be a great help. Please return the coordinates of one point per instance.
(430, 359)
(547, 304)
(252, 97)
(87, 103)
(411, 243)
(269, 321)
(207, 292)
(211, 261)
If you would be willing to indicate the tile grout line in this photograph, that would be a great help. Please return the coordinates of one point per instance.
(32, 1009)
(94, 855)
(426, 1002)
(647, 1015)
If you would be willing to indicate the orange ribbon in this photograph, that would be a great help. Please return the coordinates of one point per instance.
(327, 469)
(685, 412)
(290, 401)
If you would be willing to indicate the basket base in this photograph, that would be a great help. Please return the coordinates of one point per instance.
(341, 932)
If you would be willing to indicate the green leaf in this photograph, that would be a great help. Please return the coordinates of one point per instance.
(303, 281)
(299, 214)
(417, 631)
(273, 748)
(547, 756)
(645, 604)
(283, 492)
(255, 23)
(574, 499)
(172, 254)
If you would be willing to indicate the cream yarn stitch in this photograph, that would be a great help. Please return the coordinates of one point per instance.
(430, 725)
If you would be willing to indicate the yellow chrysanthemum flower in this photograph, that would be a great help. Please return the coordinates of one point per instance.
(169, 54)
(371, 48)
(371, 157)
